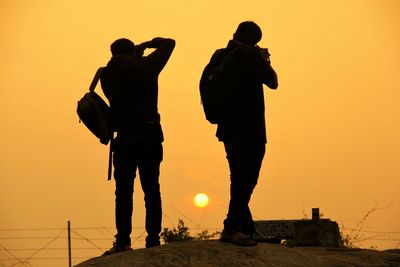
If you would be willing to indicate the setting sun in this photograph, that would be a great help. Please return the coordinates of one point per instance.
(201, 200)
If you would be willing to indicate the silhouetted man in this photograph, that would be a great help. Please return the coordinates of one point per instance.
(244, 135)
(130, 82)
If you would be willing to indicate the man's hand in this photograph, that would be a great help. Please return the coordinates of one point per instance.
(264, 54)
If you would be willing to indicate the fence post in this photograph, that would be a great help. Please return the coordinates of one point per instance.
(69, 245)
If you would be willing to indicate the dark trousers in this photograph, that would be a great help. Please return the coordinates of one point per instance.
(245, 159)
(145, 156)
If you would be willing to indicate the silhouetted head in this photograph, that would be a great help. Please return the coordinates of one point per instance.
(248, 33)
(122, 46)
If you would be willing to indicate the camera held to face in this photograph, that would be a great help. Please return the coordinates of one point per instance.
(264, 53)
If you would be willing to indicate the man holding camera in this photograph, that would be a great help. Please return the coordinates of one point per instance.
(130, 82)
(244, 135)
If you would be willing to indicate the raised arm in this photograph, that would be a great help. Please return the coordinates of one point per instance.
(270, 77)
(268, 74)
(163, 50)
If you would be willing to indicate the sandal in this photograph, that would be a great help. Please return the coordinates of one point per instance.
(239, 239)
(116, 248)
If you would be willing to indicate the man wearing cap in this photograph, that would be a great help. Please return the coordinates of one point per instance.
(130, 82)
(244, 134)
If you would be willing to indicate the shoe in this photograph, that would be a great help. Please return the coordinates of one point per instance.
(116, 248)
(238, 238)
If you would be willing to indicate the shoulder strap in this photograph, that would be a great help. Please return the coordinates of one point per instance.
(96, 79)
(110, 159)
(92, 86)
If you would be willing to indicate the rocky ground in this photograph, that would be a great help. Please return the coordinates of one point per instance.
(215, 253)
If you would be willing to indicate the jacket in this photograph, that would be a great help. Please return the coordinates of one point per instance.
(256, 71)
(131, 86)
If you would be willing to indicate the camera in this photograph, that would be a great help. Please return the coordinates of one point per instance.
(264, 53)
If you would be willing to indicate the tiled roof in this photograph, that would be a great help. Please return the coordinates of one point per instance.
(283, 229)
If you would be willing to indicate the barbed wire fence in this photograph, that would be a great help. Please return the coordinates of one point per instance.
(35, 246)
(40, 246)
(49, 246)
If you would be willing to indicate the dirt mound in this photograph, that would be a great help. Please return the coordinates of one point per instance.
(215, 253)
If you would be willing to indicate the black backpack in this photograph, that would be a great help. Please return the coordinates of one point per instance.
(221, 86)
(94, 112)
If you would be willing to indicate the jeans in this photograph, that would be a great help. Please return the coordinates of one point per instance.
(145, 156)
(245, 159)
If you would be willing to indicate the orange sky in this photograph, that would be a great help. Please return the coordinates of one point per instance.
(333, 124)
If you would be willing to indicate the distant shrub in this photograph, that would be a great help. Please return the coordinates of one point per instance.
(353, 238)
(181, 233)
(205, 235)
(176, 234)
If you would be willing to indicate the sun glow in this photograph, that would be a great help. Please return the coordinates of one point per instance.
(201, 200)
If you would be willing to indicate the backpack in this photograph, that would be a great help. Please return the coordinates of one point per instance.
(94, 112)
(221, 87)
